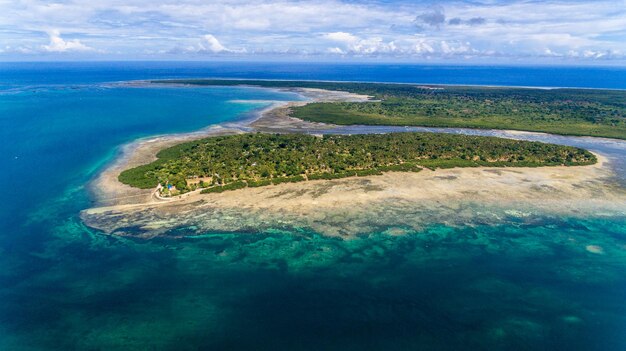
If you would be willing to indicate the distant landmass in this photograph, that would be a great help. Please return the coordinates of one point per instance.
(586, 112)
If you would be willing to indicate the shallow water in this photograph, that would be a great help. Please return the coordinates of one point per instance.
(496, 287)
(541, 283)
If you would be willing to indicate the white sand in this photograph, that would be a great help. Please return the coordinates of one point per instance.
(352, 205)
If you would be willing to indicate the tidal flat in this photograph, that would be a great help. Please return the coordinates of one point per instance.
(512, 258)
(349, 207)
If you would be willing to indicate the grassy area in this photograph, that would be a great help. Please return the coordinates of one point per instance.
(600, 113)
(238, 161)
(421, 114)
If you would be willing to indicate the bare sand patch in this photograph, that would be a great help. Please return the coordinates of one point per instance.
(350, 206)
(596, 249)
(109, 191)
(279, 120)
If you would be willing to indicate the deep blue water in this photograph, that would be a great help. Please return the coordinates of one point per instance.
(12, 74)
(513, 285)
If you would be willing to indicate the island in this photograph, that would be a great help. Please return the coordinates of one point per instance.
(585, 112)
(216, 164)
(286, 170)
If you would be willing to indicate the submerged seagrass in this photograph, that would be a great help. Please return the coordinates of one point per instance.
(236, 161)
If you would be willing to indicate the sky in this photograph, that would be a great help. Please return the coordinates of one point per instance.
(470, 31)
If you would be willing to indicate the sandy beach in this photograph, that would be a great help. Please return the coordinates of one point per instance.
(349, 206)
(108, 190)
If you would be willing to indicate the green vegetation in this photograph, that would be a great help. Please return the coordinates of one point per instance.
(236, 161)
(600, 113)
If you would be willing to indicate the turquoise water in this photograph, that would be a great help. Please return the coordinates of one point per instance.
(57, 137)
(516, 285)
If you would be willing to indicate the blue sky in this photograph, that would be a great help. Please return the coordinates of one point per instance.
(489, 31)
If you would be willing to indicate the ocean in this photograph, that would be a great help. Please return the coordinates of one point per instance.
(514, 285)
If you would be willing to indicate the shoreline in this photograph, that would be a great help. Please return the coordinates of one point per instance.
(151, 199)
(398, 83)
(557, 189)
(350, 206)
(250, 83)
(107, 190)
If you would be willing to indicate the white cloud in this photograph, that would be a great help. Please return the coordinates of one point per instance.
(356, 45)
(403, 46)
(336, 50)
(341, 37)
(594, 54)
(18, 50)
(58, 44)
(134, 28)
(549, 52)
(253, 24)
(448, 48)
(423, 47)
(210, 44)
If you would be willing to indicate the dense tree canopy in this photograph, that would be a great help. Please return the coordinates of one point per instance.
(228, 162)
(559, 111)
